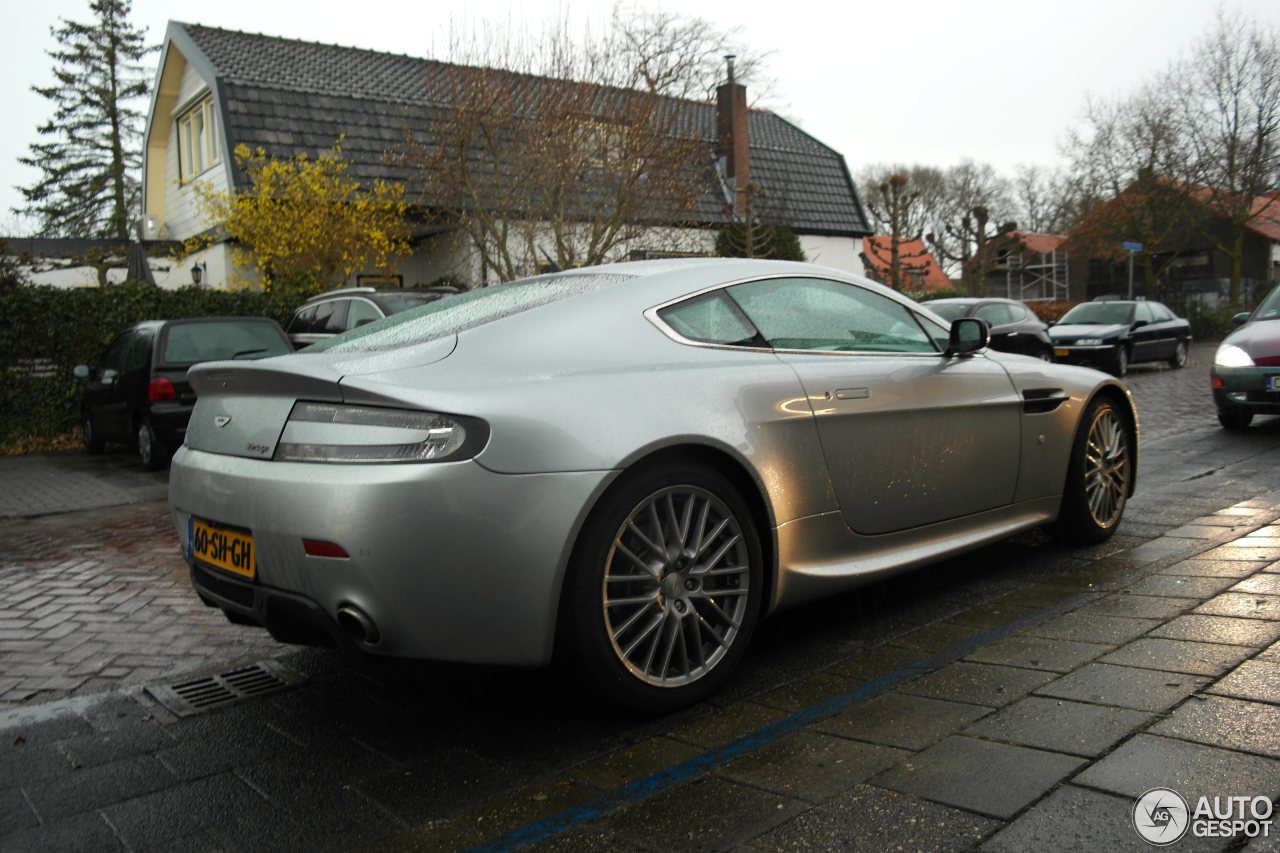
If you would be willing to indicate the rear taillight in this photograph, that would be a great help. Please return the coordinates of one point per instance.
(161, 389)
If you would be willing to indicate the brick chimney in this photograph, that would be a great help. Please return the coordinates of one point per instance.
(732, 143)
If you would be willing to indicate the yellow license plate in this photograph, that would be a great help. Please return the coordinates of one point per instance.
(223, 547)
(1061, 353)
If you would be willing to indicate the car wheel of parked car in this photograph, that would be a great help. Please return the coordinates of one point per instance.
(1120, 361)
(151, 450)
(1234, 418)
(92, 442)
(665, 586)
(1098, 476)
(1179, 357)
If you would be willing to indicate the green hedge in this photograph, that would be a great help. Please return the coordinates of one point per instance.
(46, 331)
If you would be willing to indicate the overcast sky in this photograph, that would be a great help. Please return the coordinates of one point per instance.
(928, 81)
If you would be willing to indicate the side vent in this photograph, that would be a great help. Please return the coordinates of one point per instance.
(1041, 401)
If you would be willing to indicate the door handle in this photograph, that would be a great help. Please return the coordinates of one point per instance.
(853, 393)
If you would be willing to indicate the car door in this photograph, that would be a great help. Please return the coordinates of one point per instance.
(910, 437)
(103, 403)
(1148, 342)
(135, 376)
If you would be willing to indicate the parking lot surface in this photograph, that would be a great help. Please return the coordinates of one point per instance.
(1021, 697)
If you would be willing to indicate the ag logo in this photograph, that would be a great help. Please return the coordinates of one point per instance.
(1161, 816)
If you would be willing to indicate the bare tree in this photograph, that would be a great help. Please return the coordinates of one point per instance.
(1229, 92)
(556, 161)
(682, 56)
(894, 208)
(970, 216)
(1130, 173)
(1044, 200)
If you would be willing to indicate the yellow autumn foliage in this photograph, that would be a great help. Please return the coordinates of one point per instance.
(304, 224)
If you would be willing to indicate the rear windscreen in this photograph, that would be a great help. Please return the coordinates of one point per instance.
(466, 311)
(190, 343)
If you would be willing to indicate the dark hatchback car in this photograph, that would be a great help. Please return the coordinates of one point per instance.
(138, 393)
(1014, 326)
(1246, 368)
(321, 317)
(1112, 334)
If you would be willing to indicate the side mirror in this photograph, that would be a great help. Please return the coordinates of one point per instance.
(1138, 324)
(968, 335)
(81, 371)
(1240, 319)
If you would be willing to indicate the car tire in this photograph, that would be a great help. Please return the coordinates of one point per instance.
(93, 443)
(1179, 357)
(1119, 362)
(664, 588)
(1234, 418)
(1099, 476)
(152, 452)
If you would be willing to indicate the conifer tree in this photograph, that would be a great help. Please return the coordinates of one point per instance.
(90, 151)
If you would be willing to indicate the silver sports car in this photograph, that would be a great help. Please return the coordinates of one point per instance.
(627, 465)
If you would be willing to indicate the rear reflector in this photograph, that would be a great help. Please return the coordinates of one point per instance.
(318, 548)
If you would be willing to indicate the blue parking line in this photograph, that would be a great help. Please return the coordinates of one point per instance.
(691, 768)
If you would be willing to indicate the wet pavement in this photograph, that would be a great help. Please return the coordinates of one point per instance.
(1021, 697)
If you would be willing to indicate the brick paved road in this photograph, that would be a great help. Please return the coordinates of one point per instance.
(1032, 692)
(95, 600)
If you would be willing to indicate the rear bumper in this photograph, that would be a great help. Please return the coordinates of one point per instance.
(450, 561)
(288, 617)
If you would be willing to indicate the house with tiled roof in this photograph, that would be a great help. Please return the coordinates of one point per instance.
(1030, 267)
(1183, 232)
(216, 89)
(920, 270)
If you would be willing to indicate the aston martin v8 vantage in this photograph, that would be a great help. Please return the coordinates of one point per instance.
(628, 465)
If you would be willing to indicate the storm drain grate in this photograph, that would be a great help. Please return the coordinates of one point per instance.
(213, 691)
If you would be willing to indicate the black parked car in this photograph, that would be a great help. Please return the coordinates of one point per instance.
(1014, 326)
(138, 392)
(1114, 333)
(332, 313)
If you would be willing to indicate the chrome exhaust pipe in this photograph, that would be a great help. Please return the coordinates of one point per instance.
(358, 625)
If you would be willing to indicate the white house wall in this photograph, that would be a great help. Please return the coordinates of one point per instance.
(842, 253)
(182, 215)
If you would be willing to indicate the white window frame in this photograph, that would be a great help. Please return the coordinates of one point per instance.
(198, 148)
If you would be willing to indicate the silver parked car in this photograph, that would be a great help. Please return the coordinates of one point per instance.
(628, 465)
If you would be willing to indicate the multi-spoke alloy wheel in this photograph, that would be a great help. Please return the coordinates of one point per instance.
(1106, 468)
(665, 587)
(1099, 476)
(676, 585)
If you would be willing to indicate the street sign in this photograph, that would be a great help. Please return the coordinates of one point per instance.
(1131, 247)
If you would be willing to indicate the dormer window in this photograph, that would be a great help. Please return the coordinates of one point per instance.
(197, 140)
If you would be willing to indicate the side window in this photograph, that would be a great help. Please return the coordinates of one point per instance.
(711, 318)
(1142, 313)
(113, 359)
(139, 356)
(1017, 313)
(303, 321)
(360, 312)
(330, 316)
(996, 314)
(818, 314)
(1160, 313)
